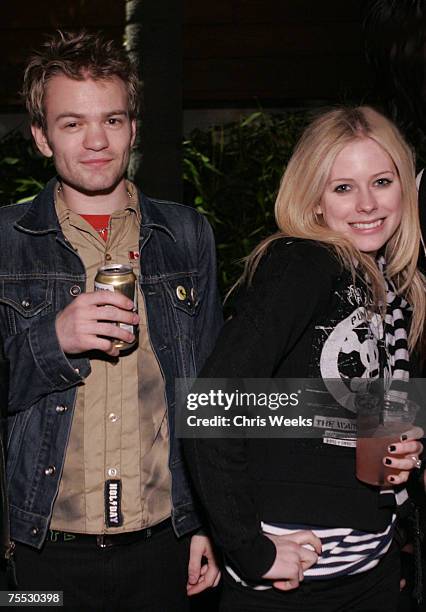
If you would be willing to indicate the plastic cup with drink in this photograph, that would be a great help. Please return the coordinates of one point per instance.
(380, 423)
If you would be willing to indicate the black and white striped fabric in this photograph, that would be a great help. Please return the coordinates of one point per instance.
(347, 551)
(344, 551)
(396, 338)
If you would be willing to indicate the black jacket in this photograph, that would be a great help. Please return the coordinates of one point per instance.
(299, 296)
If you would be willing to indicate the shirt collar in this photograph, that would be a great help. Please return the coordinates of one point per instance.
(64, 212)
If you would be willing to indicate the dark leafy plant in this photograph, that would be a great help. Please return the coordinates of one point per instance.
(22, 171)
(232, 174)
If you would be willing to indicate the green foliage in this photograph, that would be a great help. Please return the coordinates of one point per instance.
(232, 174)
(22, 171)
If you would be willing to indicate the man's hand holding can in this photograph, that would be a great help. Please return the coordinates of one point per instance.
(90, 323)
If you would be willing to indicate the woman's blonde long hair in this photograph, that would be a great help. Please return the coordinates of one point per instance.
(304, 182)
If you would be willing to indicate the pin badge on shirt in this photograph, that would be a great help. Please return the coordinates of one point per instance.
(181, 293)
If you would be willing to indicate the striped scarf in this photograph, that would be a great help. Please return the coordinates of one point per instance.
(398, 313)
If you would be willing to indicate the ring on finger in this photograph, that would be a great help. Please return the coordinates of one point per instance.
(417, 462)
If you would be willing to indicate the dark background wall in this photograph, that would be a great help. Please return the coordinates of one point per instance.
(276, 51)
(235, 52)
(24, 23)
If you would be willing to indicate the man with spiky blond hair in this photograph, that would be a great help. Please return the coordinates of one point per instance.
(100, 503)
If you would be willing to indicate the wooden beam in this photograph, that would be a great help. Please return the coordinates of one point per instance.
(160, 171)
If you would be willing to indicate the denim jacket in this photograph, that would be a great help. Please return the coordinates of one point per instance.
(40, 273)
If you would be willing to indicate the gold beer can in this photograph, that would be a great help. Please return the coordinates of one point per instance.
(121, 278)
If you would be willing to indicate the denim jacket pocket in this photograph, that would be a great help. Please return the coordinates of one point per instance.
(24, 298)
(16, 426)
(182, 291)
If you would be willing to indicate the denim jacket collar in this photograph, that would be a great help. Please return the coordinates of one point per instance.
(152, 217)
(41, 218)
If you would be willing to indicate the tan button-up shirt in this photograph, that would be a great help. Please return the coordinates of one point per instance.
(119, 430)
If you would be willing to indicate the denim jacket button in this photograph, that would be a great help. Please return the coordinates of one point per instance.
(75, 290)
(61, 409)
(26, 304)
(34, 531)
(49, 471)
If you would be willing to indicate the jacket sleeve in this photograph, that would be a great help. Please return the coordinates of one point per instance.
(209, 319)
(4, 386)
(38, 365)
(290, 286)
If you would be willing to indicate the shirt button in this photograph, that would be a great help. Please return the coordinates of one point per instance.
(49, 471)
(112, 472)
(108, 257)
(113, 417)
(61, 409)
(75, 290)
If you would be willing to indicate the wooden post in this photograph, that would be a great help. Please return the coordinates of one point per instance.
(154, 41)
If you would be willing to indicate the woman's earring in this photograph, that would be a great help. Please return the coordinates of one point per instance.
(318, 217)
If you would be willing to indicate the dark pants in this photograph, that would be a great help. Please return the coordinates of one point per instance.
(373, 591)
(145, 576)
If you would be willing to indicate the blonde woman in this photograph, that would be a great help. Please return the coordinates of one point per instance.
(335, 293)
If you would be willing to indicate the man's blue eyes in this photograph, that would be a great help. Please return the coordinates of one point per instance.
(110, 121)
